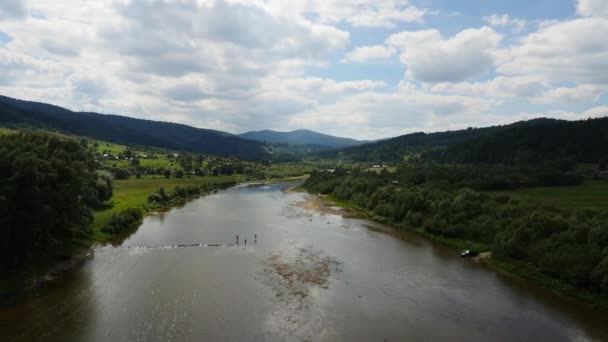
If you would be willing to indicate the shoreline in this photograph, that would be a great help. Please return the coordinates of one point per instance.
(510, 268)
(58, 269)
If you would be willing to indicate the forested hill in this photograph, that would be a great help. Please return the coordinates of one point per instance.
(125, 130)
(533, 140)
(536, 140)
(301, 137)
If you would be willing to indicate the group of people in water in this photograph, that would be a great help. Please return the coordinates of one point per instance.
(255, 239)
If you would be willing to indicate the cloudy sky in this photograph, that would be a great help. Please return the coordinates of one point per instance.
(359, 68)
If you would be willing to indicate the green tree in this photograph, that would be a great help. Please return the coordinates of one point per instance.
(43, 195)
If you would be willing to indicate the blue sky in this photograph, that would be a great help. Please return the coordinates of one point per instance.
(359, 68)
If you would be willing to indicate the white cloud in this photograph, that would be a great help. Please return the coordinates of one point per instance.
(593, 8)
(597, 112)
(586, 93)
(12, 9)
(505, 20)
(369, 53)
(431, 58)
(357, 13)
(247, 64)
(500, 87)
(570, 51)
(373, 115)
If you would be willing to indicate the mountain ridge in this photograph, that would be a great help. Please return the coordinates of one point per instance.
(521, 141)
(127, 130)
(300, 137)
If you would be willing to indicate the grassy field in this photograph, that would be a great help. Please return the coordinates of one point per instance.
(133, 193)
(590, 195)
(7, 131)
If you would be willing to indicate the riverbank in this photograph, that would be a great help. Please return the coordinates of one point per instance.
(511, 268)
(133, 193)
(130, 193)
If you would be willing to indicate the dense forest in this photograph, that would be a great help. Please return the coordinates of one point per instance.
(129, 131)
(48, 191)
(568, 245)
(582, 141)
(526, 141)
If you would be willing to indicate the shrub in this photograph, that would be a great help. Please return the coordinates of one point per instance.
(124, 221)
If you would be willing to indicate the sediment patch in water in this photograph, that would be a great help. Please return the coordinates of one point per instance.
(296, 277)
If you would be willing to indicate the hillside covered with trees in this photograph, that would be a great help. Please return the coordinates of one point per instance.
(526, 141)
(126, 130)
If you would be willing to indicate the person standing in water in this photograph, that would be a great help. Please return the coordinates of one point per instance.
(237, 239)
(245, 242)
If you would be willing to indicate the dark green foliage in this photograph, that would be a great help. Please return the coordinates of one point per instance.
(47, 189)
(526, 142)
(568, 245)
(124, 221)
(128, 131)
(532, 141)
(162, 198)
(120, 173)
(99, 189)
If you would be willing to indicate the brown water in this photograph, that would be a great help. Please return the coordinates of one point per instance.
(309, 276)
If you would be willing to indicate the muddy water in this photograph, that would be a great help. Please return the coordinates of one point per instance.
(309, 276)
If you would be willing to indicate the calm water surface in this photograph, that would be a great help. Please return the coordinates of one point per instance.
(309, 276)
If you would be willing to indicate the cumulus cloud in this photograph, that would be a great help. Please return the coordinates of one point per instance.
(357, 13)
(597, 112)
(500, 87)
(364, 54)
(13, 9)
(592, 8)
(373, 115)
(245, 64)
(558, 53)
(586, 93)
(505, 20)
(429, 57)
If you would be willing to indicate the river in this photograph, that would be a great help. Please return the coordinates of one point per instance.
(309, 276)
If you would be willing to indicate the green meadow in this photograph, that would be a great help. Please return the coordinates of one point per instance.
(133, 193)
(592, 194)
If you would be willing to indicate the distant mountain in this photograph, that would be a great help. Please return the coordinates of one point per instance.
(301, 137)
(524, 141)
(126, 130)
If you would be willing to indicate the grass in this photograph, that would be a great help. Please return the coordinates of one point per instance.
(589, 195)
(133, 193)
(7, 131)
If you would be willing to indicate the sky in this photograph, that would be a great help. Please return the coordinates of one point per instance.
(365, 69)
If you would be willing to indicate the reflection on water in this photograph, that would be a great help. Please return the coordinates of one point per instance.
(309, 276)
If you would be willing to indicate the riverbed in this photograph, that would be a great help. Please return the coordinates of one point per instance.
(294, 274)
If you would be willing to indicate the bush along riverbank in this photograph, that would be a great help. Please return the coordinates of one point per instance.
(563, 250)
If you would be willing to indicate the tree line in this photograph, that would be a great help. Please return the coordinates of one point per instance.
(563, 244)
(49, 189)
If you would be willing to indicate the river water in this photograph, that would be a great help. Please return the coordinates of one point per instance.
(309, 276)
